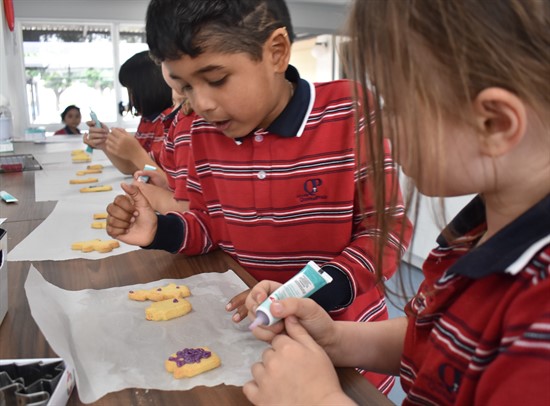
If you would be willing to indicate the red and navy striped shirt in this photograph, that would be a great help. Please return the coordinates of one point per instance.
(174, 155)
(479, 326)
(285, 195)
(152, 130)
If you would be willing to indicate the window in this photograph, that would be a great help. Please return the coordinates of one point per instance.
(77, 64)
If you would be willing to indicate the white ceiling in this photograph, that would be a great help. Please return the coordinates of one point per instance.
(309, 17)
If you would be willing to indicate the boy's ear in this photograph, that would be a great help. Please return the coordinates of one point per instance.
(501, 119)
(278, 49)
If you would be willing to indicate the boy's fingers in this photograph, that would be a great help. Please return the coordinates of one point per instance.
(136, 195)
(120, 205)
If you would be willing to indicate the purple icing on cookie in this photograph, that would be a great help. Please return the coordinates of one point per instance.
(175, 301)
(189, 356)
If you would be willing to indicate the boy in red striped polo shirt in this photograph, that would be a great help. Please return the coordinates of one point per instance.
(273, 175)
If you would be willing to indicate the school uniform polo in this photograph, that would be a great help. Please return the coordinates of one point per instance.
(479, 326)
(287, 194)
(66, 131)
(175, 154)
(152, 130)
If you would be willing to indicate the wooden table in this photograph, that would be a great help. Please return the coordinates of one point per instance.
(20, 336)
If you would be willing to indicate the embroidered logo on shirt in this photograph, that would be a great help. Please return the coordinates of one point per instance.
(311, 187)
(450, 377)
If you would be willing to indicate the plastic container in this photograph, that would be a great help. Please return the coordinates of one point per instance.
(6, 124)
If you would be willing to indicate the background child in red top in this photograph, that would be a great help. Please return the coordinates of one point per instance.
(273, 179)
(167, 189)
(151, 98)
(71, 118)
(466, 88)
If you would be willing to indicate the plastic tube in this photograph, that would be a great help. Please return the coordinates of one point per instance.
(304, 284)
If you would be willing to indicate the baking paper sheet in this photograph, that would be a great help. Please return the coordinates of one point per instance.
(53, 183)
(69, 222)
(106, 337)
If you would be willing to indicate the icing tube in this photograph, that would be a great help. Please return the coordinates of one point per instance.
(94, 118)
(145, 178)
(304, 284)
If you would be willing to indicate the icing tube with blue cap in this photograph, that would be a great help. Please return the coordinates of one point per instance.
(94, 118)
(145, 178)
(304, 284)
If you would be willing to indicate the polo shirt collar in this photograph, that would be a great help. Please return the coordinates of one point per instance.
(508, 251)
(291, 121)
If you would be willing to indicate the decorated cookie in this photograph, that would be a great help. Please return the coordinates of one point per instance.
(167, 309)
(192, 361)
(84, 180)
(88, 172)
(170, 291)
(96, 189)
(98, 245)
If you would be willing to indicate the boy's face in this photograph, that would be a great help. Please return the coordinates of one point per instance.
(232, 91)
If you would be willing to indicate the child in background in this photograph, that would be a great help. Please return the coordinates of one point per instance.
(151, 98)
(71, 118)
(469, 81)
(167, 190)
(273, 175)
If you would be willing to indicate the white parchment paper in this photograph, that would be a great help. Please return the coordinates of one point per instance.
(69, 222)
(111, 345)
(52, 183)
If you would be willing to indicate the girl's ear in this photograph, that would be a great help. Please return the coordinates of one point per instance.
(277, 48)
(501, 119)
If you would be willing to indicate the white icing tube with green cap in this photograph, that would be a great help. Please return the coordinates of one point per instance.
(304, 284)
(145, 178)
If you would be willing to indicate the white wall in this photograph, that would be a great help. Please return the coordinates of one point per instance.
(11, 74)
(315, 17)
(428, 226)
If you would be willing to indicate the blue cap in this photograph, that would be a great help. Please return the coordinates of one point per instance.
(260, 320)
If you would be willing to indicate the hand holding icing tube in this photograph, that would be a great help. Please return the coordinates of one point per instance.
(304, 284)
(145, 178)
(94, 118)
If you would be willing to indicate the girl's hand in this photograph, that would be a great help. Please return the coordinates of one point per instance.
(238, 303)
(255, 297)
(295, 370)
(122, 144)
(96, 137)
(312, 317)
(131, 218)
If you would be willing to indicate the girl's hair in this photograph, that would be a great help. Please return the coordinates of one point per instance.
(149, 93)
(191, 27)
(67, 109)
(426, 60)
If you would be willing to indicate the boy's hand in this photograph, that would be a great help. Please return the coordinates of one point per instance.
(131, 218)
(238, 303)
(156, 178)
(295, 370)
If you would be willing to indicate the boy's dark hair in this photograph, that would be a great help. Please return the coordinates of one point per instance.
(67, 109)
(190, 27)
(149, 92)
